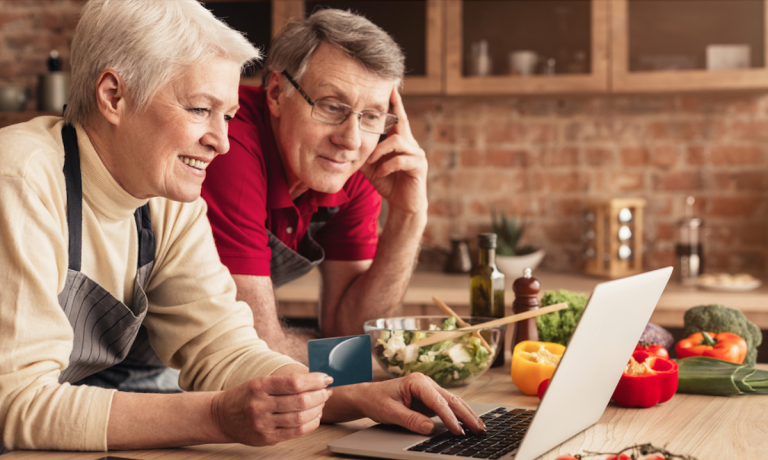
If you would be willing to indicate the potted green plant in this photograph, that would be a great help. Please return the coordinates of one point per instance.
(511, 257)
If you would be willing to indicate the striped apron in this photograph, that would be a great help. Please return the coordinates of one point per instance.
(117, 354)
(108, 336)
(286, 264)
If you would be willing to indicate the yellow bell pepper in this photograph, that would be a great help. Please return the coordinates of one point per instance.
(534, 362)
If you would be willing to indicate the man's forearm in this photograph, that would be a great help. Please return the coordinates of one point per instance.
(378, 291)
(292, 341)
(257, 292)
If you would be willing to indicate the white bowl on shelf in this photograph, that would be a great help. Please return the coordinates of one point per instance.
(513, 266)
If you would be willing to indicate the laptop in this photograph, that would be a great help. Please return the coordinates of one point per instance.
(576, 397)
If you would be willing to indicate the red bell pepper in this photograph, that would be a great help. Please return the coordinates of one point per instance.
(725, 346)
(655, 383)
(653, 349)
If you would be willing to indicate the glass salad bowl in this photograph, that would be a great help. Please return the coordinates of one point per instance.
(455, 361)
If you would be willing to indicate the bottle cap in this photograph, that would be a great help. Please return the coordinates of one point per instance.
(54, 62)
(486, 240)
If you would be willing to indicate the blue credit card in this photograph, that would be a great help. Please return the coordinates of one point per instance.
(346, 359)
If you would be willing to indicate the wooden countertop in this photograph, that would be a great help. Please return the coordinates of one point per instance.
(705, 427)
(298, 299)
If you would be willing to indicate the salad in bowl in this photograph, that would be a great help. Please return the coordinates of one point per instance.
(455, 361)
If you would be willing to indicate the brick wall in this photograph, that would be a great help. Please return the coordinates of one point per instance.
(29, 30)
(541, 157)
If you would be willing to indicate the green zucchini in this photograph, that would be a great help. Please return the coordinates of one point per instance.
(710, 376)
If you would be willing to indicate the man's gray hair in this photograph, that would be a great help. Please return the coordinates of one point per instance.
(148, 43)
(355, 35)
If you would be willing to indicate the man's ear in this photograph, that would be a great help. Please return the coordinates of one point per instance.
(274, 90)
(111, 96)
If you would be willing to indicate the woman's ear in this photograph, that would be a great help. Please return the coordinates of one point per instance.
(274, 90)
(110, 96)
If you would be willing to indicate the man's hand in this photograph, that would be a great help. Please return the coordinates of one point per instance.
(268, 410)
(397, 168)
(409, 401)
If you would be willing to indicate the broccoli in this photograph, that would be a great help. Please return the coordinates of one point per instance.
(558, 327)
(718, 318)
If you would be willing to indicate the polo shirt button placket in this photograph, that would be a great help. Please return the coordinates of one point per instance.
(289, 230)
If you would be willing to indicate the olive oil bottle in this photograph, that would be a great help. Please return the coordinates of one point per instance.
(487, 287)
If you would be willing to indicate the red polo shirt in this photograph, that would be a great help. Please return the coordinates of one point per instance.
(247, 193)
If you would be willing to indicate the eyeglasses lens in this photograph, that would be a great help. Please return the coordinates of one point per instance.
(335, 113)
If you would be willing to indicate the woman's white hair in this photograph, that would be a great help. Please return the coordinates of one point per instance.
(148, 43)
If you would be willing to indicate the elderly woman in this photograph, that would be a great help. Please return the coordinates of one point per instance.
(104, 231)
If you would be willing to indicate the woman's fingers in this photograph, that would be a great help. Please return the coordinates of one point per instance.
(267, 410)
(284, 434)
(426, 390)
(294, 383)
(301, 401)
(298, 418)
(463, 411)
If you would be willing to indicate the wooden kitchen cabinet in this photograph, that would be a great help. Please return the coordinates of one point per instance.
(259, 20)
(570, 38)
(597, 46)
(661, 46)
(416, 25)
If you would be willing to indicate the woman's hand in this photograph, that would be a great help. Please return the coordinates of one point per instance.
(268, 410)
(409, 401)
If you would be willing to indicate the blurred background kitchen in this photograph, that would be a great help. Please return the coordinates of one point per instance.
(536, 109)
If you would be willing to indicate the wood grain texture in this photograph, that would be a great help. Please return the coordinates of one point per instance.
(706, 427)
(432, 82)
(283, 11)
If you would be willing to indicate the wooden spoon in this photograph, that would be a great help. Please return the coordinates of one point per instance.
(439, 336)
(460, 321)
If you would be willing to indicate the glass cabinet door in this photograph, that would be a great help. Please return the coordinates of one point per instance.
(526, 46)
(416, 25)
(688, 45)
(254, 19)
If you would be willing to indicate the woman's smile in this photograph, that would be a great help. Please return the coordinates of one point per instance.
(194, 164)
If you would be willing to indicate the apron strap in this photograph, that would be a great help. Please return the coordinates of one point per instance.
(74, 195)
(146, 235)
(74, 183)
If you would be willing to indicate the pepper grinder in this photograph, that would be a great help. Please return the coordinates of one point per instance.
(526, 291)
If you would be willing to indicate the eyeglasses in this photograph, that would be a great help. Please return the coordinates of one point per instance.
(336, 113)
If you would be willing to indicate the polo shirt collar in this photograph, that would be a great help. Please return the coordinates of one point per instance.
(278, 195)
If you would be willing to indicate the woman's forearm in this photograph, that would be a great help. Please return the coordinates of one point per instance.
(143, 421)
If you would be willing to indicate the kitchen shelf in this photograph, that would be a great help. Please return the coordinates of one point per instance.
(469, 20)
(622, 40)
(674, 34)
(417, 26)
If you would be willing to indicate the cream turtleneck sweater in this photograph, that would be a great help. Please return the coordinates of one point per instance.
(194, 322)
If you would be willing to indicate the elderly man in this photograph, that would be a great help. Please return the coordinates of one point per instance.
(104, 232)
(302, 184)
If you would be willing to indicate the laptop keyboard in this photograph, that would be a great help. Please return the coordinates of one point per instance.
(506, 429)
